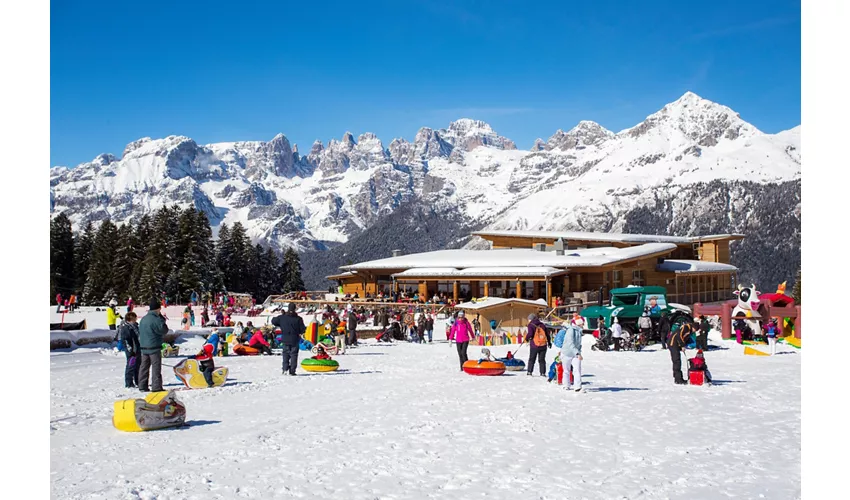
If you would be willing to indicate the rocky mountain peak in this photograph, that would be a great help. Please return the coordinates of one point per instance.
(539, 145)
(348, 140)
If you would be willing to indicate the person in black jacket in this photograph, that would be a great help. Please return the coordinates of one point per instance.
(291, 327)
(677, 347)
(663, 329)
(702, 334)
(128, 332)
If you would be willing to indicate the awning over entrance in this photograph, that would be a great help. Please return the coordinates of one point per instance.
(480, 272)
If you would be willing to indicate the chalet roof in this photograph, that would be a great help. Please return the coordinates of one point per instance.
(479, 272)
(681, 266)
(610, 237)
(514, 258)
(487, 302)
(346, 274)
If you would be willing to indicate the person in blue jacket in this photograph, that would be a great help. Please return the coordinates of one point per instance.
(571, 356)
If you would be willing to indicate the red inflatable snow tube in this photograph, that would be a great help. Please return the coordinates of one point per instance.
(484, 368)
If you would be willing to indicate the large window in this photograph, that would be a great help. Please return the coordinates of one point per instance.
(624, 300)
(616, 279)
(637, 277)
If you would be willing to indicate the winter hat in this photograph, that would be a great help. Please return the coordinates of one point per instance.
(155, 305)
(531, 316)
(616, 320)
(460, 314)
(113, 302)
(208, 348)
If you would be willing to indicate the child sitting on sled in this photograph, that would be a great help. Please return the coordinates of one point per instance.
(697, 365)
(206, 364)
(487, 357)
(320, 352)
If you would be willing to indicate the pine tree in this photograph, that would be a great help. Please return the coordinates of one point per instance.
(141, 236)
(189, 265)
(797, 291)
(124, 265)
(292, 263)
(224, 258)
(206, 253)
(99, 280)
(269, 270)
(61, 256)
(149, 285)
(239, 271)
(82, 259)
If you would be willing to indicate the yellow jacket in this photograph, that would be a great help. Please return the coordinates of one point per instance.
(111, 316)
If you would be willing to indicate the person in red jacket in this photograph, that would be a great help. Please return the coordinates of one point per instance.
(259, 342)
(206, 363)
(697, 364)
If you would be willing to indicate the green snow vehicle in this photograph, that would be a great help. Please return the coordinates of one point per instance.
(627, 305)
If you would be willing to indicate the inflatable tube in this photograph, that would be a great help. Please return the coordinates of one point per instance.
(513, 364)
(158, 410)
(484, 368)
(320, 365)
(189, 372)
(243, 350)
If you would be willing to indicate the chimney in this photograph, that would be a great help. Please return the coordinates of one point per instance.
(540, 247)
(559, 246)
(396, 253)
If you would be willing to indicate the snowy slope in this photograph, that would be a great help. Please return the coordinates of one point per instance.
(400, 421)
(585, 178)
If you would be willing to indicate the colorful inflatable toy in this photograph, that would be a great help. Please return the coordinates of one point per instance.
(243, 350)
(320, 365)
(189, 372)
(484, 367)
(159, 410)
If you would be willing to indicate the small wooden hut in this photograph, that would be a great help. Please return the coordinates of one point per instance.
(511, 315)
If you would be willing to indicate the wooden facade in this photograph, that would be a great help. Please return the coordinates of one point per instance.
(683, 287)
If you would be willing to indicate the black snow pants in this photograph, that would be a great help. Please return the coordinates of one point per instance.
(539, 354)
(461, 352)
(676, 357)
(131, 373)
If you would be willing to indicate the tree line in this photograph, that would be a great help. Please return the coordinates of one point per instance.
(171, 251)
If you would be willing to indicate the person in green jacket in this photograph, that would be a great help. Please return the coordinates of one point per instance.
(152, 328)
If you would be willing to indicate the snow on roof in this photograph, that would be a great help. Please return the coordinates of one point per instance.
(612, 237)
(341, 275)
(480, 271)
(496, 301)
(513, 258)
(693, 266)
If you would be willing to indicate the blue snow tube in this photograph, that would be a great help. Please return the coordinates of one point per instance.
(513, 364)
(305, 345)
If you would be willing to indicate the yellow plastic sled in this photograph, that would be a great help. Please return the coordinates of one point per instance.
(158, 410)
(754, 352)
(189, 372)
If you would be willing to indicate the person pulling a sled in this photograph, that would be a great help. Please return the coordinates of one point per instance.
(678, 341)
(539, 341)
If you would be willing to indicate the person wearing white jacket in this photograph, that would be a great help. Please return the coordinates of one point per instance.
(571, 356)
(617, 333)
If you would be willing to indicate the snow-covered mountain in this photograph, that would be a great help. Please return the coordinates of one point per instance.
(587, 178)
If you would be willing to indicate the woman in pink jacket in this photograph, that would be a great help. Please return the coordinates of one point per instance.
(461, 332)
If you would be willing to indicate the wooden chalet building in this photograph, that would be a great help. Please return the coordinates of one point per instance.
(550, 264)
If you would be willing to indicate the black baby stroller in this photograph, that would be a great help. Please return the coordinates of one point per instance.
(603, 340)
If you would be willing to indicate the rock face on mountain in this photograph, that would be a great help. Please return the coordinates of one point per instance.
(693, 167)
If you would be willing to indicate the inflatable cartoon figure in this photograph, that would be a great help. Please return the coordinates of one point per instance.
(748, 304)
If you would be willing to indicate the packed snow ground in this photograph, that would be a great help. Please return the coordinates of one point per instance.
(401, 421)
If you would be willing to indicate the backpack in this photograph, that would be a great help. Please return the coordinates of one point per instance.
(540, 336)
(559, 338)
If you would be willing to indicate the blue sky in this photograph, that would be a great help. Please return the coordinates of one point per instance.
(224, 71)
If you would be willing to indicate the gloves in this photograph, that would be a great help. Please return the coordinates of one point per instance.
(132, 361)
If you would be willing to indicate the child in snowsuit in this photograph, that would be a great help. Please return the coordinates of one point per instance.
(128, 333)
(698, 364)
(771, 336)
(206, 362)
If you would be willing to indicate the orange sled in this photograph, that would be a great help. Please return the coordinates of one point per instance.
(484, 368)
(243, 350)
